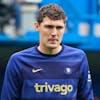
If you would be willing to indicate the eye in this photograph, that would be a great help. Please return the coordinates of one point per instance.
(59, 27)
(49, 26)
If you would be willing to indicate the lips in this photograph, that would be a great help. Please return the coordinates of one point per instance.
(53, 40)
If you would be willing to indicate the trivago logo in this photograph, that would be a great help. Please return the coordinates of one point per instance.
(46, 87)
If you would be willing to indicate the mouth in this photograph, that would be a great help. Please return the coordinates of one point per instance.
(53, 41)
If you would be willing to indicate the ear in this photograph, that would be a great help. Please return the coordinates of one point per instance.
(36, 26)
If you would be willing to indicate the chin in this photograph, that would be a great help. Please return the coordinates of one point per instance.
(53, 46)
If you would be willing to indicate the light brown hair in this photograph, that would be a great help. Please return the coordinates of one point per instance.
(53, 11)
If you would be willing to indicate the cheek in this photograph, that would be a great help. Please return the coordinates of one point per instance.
(44, 36)
(44, 32)
(61, 35)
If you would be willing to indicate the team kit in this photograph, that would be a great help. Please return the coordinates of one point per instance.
(49, 77)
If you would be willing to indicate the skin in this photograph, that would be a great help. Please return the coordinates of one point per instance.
(51, 33)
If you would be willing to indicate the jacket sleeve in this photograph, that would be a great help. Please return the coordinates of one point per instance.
(85, 91)
(12, 81)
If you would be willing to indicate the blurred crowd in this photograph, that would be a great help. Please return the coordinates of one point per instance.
(14, 8)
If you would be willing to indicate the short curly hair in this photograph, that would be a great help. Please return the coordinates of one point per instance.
(53, 11)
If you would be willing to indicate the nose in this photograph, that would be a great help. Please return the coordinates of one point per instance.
(54, 31)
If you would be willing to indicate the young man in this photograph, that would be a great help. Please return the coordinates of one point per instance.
(50, 70)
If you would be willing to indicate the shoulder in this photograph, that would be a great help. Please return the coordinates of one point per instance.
(74, 51)
(23, 53)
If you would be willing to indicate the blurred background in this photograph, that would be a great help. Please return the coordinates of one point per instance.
(82, 30)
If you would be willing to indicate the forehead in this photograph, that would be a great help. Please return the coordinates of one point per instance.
(48, 21)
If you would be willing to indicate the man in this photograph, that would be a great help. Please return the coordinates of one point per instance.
(50, 70)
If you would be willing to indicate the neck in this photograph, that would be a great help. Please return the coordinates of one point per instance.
(50, 51)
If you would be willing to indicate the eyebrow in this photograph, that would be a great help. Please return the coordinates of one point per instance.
(52, 26)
